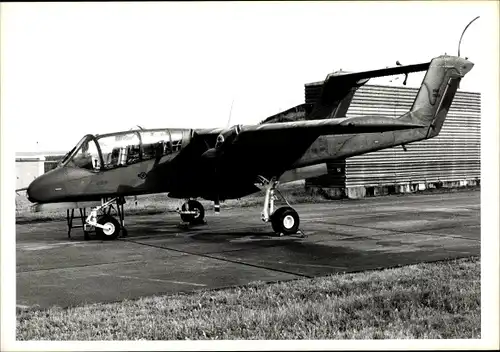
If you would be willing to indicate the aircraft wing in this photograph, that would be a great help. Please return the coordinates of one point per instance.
(316, 128)
(278, 145)
(291, 134)
(247, 151)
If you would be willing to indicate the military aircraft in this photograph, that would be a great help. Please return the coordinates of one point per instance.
(230, 163)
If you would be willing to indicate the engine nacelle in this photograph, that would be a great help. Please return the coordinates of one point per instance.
(226, 137)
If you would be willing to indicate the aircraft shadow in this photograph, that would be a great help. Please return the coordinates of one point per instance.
(208, 233)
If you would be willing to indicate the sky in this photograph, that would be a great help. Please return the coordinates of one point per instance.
(75, 68)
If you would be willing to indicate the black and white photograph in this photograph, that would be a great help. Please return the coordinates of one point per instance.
(249, 175)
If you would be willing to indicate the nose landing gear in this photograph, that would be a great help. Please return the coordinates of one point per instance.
(110, 227)
(106, 226)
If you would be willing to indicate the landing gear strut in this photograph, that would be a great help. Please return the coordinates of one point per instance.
(106, 226)
(285, 220)
(70, 216)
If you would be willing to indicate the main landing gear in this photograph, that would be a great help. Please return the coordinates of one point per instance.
(192, 213)
(285, 220)
(106, 226)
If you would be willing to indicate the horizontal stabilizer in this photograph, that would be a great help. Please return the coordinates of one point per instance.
(390, 71)
(338, 89)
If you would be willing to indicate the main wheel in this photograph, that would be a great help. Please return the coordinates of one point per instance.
(193, 205)
(285, 220)
(111, 228)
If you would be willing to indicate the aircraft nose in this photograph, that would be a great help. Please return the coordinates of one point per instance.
(43, 188)
(36, 189)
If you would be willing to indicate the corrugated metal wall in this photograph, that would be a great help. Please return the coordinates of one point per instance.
(334, 178)
(454, 155)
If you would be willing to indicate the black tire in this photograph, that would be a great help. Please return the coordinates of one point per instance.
(193, 205)
(112, 233)
(275, 223)
(285, 220)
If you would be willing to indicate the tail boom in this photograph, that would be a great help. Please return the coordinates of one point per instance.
(429, 110)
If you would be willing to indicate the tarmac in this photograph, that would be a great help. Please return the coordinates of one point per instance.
(237, 248)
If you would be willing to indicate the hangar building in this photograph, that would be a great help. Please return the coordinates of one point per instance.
(30, 165)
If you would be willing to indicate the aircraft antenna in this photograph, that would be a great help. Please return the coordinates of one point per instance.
(460, 41)
(230, 112)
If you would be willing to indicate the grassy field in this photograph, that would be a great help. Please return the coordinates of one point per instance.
(425, 301)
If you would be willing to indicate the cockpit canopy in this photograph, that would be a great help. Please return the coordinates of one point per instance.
(108, 151)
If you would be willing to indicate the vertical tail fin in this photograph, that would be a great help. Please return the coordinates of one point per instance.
(332, 97)
(437, 92)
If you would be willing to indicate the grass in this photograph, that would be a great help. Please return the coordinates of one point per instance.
(425, 301)
(294, 192)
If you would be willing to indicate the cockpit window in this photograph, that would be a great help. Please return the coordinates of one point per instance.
(120, 150)
(155, 144)
(125, 148)
(86, 157)
(176, 136)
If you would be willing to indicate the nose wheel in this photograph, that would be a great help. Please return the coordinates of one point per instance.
(105, 225)
(110, 228)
